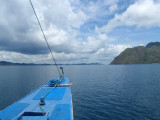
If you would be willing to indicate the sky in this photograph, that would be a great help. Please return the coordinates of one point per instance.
(78, 31)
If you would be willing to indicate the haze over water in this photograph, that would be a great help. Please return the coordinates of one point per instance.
(99, 92)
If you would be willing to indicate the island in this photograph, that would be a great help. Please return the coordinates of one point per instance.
(149, 54)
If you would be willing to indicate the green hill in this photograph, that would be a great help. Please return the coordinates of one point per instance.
(140, 55)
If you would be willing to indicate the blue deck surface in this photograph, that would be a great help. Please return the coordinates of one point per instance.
(58, 105)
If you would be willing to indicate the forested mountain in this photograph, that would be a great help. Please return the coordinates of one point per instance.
(150, 54)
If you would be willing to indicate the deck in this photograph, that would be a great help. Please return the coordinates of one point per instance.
(58, 105)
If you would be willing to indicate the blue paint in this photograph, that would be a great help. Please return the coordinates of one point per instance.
(65, 81)
(61, 112)
(56, 94)
(57, 105)
(41, 93)
(34, 118)
(13, 111)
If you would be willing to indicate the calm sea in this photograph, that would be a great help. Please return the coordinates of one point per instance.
(100, 92)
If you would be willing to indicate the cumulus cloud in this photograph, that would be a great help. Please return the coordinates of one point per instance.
(98, 9)
(143, 13)
(21, 39)
(103, 55)
(60, 13)
(19, 31)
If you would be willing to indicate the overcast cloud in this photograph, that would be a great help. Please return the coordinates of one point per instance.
(77, 30)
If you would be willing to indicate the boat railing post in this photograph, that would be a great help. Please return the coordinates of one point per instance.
(62, 75)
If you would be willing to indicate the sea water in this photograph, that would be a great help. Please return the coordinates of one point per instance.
(99, 92)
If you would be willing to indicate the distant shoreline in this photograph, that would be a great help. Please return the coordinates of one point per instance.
(5, 63)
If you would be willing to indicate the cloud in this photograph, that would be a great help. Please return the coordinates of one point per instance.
(60, 13)
(97, 10)
(113, 8)
(143, 13)
(104, 55)
(20, 31)
(21, 39)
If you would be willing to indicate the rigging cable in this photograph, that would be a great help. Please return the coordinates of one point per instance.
(45, 38)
